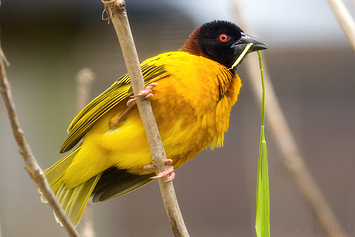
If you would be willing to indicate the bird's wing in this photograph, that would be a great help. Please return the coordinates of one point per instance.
(119, 91)
(116, 182)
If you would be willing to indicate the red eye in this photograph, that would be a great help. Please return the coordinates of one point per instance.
(223, 37)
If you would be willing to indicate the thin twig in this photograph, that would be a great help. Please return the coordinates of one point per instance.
(116, 11)
(84, 80)
(345, 20)
(285, 141)
(31, 165)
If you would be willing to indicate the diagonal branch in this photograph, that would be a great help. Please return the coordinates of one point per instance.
(116, 11)
(345, 20)
(31, 165)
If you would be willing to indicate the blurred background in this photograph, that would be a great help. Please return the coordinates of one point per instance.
(312, 67)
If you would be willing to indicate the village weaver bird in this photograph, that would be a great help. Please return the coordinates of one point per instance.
(191, 92)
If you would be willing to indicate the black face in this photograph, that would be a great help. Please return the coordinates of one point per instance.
(223, 41)
(216, 39)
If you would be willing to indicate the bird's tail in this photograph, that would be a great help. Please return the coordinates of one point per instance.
(72, 200)
(109, 184)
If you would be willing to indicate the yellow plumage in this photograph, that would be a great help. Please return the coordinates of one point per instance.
(191, 105)
(191, 109)
(192, 102)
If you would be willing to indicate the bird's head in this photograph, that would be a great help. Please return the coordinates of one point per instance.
(221, 41)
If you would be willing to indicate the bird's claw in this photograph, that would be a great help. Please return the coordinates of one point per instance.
(143, 94)
(169, 174)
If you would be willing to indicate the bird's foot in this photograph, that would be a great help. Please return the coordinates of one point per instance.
(169, 173)
(143, 94)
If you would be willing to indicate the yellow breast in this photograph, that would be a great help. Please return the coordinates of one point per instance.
(191, 106)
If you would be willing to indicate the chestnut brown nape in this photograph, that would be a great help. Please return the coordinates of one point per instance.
(192, 45)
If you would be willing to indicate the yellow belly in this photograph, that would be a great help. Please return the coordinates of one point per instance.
(191, 116)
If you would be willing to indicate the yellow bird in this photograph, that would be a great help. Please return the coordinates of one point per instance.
(194, 90)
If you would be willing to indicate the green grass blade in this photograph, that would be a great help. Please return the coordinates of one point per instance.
(241, 56)
(262, 220)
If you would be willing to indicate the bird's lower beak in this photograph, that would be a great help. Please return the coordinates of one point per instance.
(240, 45)
(246, 44)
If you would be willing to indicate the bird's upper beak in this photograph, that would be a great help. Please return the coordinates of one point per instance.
(240, 44)
(242, 47)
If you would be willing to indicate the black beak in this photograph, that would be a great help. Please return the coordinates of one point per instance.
(246, 39)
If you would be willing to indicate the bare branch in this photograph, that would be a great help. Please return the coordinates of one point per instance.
(31, 165)
(116, 10)
(344, 18)
(281, 131)
(84, 80)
